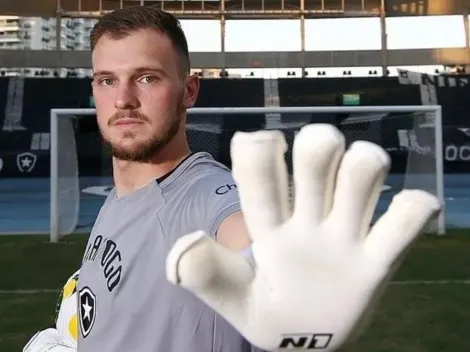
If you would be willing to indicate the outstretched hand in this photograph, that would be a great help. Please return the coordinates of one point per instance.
(320, 268)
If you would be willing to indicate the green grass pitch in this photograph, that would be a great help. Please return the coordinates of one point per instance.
(425, 309)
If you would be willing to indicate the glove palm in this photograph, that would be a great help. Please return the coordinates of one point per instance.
(319, 268)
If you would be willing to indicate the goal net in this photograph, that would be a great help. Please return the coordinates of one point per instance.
(81, 172)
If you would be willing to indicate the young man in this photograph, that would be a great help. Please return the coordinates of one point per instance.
(316, 276)
(142, 88)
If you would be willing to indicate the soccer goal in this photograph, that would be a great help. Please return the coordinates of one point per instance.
(81, 173)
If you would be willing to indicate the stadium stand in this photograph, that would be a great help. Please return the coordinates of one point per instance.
(320, 92)
(3, 102)
(213, 133)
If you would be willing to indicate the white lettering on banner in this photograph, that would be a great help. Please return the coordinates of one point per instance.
(455, 153)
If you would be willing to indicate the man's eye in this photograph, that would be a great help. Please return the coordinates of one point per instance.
(148, 79)
(107, 81)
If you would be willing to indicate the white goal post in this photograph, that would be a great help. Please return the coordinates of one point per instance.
(56, 231)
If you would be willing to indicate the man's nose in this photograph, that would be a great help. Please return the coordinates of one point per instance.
(126, 97)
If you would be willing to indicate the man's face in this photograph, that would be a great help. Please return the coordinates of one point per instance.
(140, 93)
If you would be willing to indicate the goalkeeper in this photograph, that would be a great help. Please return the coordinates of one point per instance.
(183, 257)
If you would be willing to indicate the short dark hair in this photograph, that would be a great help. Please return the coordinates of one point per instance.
(121, 23)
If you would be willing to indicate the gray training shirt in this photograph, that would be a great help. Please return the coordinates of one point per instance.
(125, 302)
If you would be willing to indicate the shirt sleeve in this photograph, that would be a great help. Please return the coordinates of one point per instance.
(216, 197)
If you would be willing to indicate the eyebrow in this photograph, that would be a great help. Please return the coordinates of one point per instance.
(138, 70)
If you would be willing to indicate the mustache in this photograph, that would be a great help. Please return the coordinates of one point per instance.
(127, 115)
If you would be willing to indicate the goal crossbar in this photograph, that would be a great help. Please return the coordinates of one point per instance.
(283, 109)
(435, 109)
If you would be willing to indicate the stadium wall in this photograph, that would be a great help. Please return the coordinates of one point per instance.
(25, 105)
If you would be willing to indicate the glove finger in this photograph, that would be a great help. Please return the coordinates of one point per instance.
(259, 169)
(317, 152)
(216, 275)
(396, 230)
(358, 186)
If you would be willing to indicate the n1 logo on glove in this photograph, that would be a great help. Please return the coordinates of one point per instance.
(320, 268)
(306, 341)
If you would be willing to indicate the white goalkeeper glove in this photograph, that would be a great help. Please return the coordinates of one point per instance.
(47, 341)
(66, 316)
(319, 268)
(64, 337)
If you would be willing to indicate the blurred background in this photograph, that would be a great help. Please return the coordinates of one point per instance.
(363, 59)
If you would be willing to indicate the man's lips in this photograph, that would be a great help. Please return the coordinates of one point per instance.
(127, 121)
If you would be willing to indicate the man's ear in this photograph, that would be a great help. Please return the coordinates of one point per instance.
(192, 83)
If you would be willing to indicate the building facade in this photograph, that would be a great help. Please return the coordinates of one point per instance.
(35, 33)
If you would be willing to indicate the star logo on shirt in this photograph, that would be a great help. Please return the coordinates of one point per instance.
(87, 310)
(26, 162)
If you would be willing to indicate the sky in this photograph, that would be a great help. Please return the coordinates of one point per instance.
(327, 34)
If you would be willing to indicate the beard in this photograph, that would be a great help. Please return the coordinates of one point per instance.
(143, 151)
